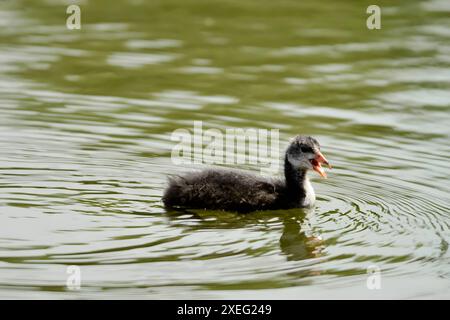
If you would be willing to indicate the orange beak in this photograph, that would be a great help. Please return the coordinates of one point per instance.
(316, 163)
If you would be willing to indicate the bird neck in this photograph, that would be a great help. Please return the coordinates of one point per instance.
(295, 181)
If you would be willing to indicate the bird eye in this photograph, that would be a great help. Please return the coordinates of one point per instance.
(305, 149)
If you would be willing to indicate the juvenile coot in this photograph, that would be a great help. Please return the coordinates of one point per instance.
(233, 190)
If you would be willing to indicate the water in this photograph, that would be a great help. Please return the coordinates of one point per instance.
(86, 118)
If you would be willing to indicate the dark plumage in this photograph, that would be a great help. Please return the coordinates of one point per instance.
(233, 190)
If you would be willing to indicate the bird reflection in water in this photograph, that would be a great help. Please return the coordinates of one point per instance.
(297, 241)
